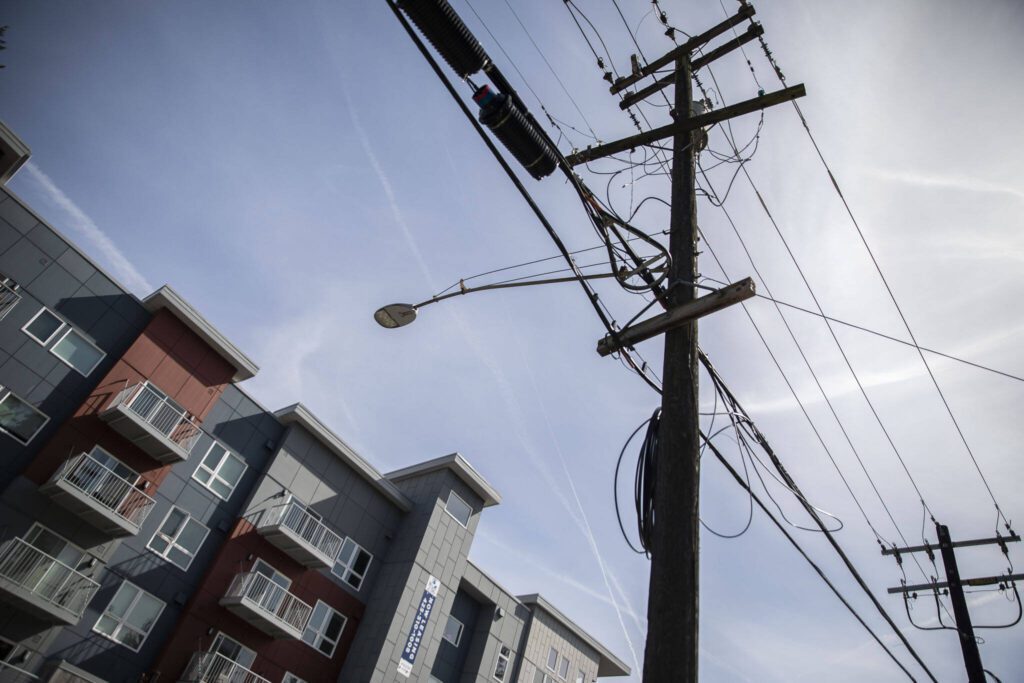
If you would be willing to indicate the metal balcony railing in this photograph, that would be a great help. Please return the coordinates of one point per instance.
(269, 599)
(213, 667)
(313, 531)
(106, 488)
(9, 295)
(46, 577)
(156, 411)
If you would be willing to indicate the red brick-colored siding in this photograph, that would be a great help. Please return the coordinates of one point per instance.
(173, 358)
(273, 656)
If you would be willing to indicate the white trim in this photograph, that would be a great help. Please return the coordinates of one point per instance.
(4, 393)
(552, 667)
(173, 542)
(563, 663)
(214, 474)
(103, 354)
(458, 636)
(277, 573)
(448, 502)
(121, 620)
(289, 677)
(349, 571)
(53, 334)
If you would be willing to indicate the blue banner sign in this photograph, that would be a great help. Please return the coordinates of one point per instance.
(419, 626)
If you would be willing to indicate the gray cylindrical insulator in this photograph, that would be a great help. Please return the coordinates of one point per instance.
(439, 23)
(517, 132)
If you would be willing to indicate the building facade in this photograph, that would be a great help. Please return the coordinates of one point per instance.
(158, 524)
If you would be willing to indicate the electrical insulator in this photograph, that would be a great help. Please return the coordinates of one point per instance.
(516, 132)
(450, 37)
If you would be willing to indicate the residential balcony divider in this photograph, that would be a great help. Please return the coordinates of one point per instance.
(213, 667)
(266, 605)
(306, 538)
(146, 416)
(43, 585)
(99, 495)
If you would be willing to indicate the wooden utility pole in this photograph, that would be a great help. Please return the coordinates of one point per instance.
(955, 585)
(673, 608)
(674, 603)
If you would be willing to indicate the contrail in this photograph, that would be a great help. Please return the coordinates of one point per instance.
(113, 257)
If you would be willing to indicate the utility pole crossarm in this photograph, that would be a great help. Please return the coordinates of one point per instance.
(684, 50)
(676, 317)
(753, 31)
(974, 583)
(687, 124)
(1000, 540)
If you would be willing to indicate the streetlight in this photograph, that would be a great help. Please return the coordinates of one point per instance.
(400, 315)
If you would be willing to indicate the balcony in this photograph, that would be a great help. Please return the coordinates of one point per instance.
(147, 417)
(9, 295)
(266, 605)
(304, 537)
(100, 496)
(213, 667)
(42, 585)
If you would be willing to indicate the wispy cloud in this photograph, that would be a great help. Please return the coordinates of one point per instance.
(945, 182)
(99, 241)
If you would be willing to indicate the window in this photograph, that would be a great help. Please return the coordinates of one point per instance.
(219, 470)
(552, 659)
(78, 352)
(56, 546)
(289, 677)
(18, 419)
(71, 347)
(352, 563)
(458, 508)
(501, 665)
(581, 677)
(541, 677)
(563, 668)
(324, 628)
(233, 650)
(130, 616)
(453, 631)
(13, 656)
(178, 539)
(43, 326)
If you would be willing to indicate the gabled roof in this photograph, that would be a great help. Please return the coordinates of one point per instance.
(166, 297)
(300, 415)
(462, 469)
(609, 664)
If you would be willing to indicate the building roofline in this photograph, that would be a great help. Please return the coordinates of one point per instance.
(299, 414)
(460, 467)
(18, 149)
(166, 297)
(609, 665)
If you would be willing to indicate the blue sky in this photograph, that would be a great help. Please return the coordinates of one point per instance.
(290, 167)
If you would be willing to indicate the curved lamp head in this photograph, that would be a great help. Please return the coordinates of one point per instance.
(395, 315)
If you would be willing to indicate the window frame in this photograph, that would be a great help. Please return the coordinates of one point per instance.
(319, 635)
(121, 620)
(349, 570)
(70, 330)
(172, 542)
(563, 663)
(6, 393)
(458, 637)
(56, 337)
(504, 653)
(289, 677)
(469, 507)
(228, 453)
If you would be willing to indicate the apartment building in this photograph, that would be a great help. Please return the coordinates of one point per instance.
(158, 524)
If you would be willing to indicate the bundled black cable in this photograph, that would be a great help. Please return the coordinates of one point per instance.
(643, 486)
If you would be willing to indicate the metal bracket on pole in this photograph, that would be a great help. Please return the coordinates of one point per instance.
(677, 317)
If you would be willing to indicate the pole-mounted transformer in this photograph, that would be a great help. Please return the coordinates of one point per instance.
(502, 112)
(447, 33)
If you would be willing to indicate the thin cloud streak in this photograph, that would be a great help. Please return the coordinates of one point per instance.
(962, 183)
(101, 243)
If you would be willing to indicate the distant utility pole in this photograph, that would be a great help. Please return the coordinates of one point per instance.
(671, 652)
(955, 586)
